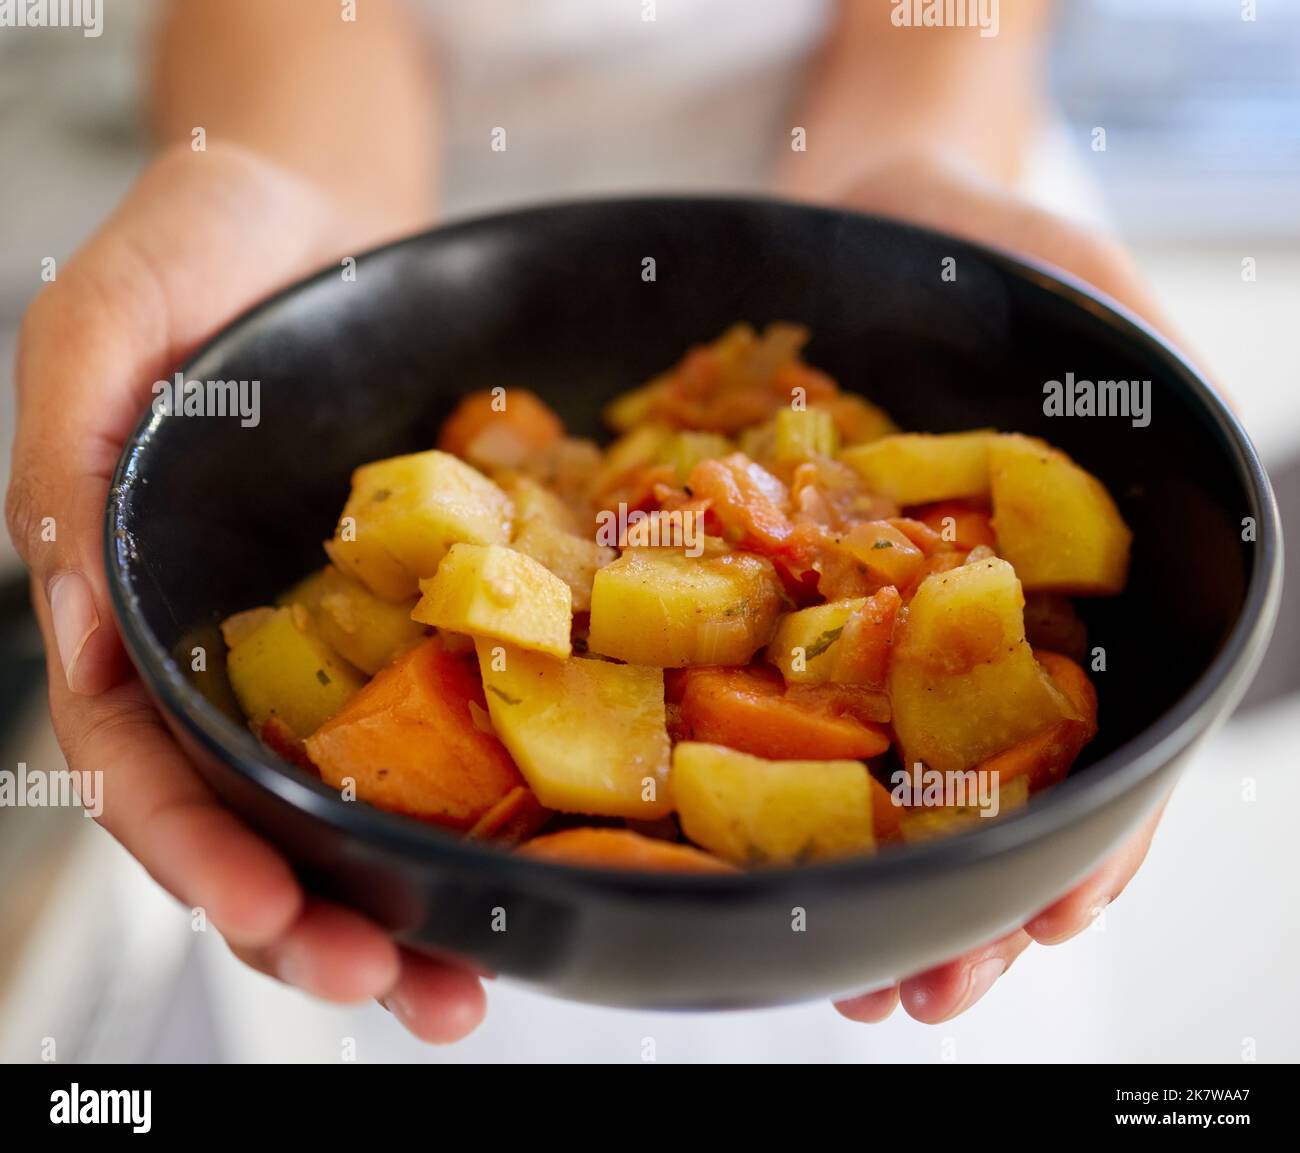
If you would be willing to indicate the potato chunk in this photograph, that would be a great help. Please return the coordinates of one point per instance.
(846, 641)
(574, 559)
(279, 668)
(1055, 522)
(491, 591)
(963, 679)
(364, 629)
(660, 607)
(916, 468)
(589, 736)
(755, 812)
(406, 512)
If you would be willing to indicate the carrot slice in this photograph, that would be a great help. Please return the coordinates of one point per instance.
(1045, 757)
(748, 501)
(959, 523)
(749, 709)
(621, 849)
(505, 429)
(409, 742)
(514, 818)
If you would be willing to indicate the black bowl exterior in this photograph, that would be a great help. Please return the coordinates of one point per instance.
(207, 517)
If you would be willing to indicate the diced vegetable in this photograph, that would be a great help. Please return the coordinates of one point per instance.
(929, 824)
(684, 450)
(857, 420)
(885, 553)
(621, 849)
(963, 680)
(406, 512)
(752, 811)
(500, 428)
(660, 607)
(1055, 522)
(514, 818)
(749, 709)
(589, 736)
(498, 592)
(630, 453)
(410, 743)
(917, 468)
(365, 630)
(574, 559)
(533, 501)
(1045, 757)
(846, 641)
(802, 434)
(958, 523)
(279, 668)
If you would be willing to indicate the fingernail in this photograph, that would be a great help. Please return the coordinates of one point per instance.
(982, 978)
(292, 969)
(398, 1005)
(72, 609)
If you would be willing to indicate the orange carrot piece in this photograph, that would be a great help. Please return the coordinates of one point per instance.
(748, 709)
(284, 743)
(409, 742)
(749, 502)
(886, 817)
(867, 640)
(514, 818)
(958, 522)
(1046, 757)
(481, 430)
(621, 849)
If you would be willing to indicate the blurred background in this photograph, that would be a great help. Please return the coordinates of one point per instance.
(1201, 173)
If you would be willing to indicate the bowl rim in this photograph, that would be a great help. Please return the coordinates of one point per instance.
(1205, 702)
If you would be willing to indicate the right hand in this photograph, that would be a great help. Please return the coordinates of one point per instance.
(200, 238)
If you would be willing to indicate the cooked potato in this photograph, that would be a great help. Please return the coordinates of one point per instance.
(406, 512)
(492, 591)
(919, 824)
(756, 812)
(534, 501)
(364, 629)
(589, 736)
(1055, 522)
(963, 679)
(278, 668)
(630, 452)
(660, 607)
(684, 450)
(804, 644)
(573, 559)
(802, 434)
(917, 468)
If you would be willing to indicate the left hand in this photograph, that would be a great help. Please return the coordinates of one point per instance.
(923, 191)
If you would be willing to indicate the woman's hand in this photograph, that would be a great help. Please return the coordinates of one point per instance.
(201, 237)
(939, 197)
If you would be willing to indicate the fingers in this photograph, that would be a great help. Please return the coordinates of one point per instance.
(200, 237)
(437, 1002)
(1083, 904)
(331, 953)
(870, 1008)
(942, 993)
(157, 807)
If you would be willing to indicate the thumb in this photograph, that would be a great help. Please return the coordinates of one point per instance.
(200, 237)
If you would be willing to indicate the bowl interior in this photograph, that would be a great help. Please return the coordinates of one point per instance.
(213, 517)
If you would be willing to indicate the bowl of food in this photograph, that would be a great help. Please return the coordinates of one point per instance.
(692, 602)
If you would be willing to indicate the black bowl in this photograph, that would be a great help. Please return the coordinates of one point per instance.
(207, 517)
